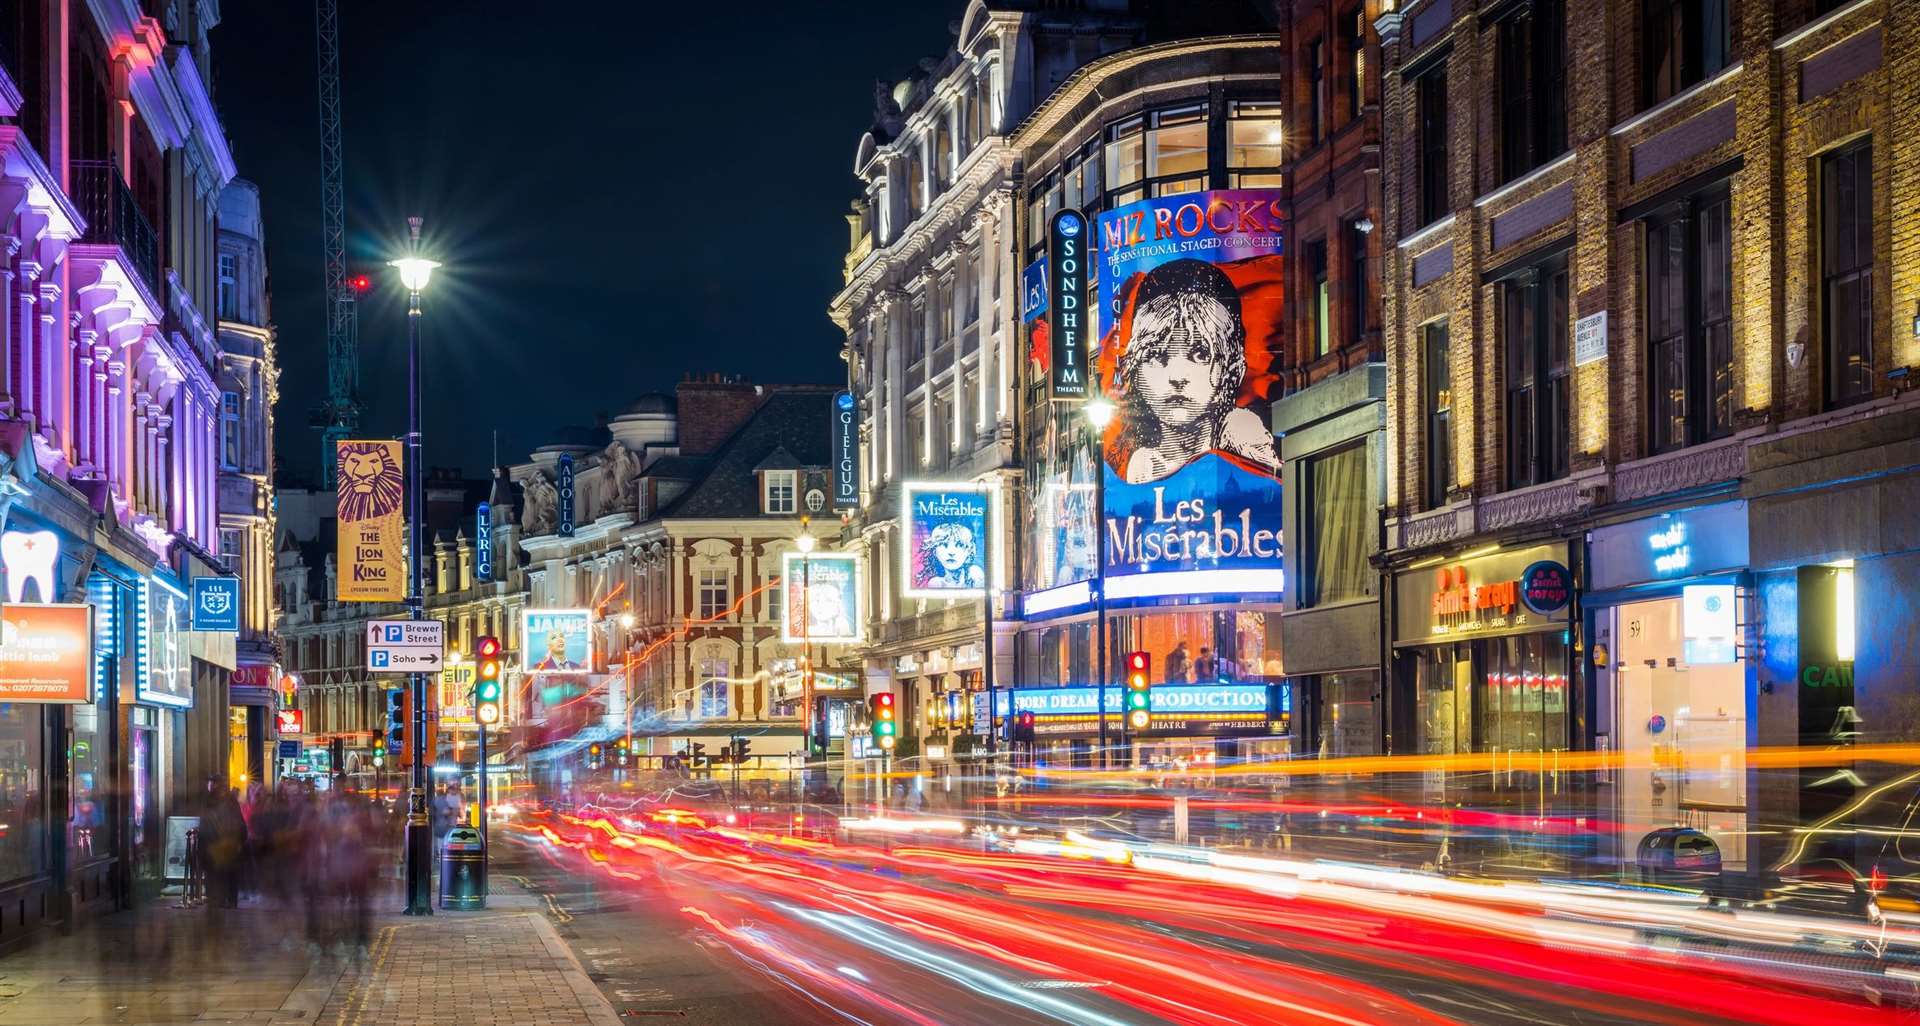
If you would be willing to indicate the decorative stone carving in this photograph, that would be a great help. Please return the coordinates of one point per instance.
(1432, 528)
(542, 514)
(623, 478)
(1532, 505)
(1678, 471)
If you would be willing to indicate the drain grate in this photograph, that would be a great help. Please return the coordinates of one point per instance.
(635, 1013)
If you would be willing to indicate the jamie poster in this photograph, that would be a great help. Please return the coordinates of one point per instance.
(1192, 325)
(822, 598)
(555, 641)
(370, 522)
(947, 534)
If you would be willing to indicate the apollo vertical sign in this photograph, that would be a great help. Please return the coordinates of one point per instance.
(565, 529)
(1067, 293)
(845, 443)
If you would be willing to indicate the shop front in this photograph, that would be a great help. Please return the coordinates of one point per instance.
(1484, 662)
(1191, 727)
(1668, 597)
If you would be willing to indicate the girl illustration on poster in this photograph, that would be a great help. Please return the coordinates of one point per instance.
(1181, 375)
(952, 559)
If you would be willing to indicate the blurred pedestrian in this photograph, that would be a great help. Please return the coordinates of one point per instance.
(1206, 669)
(1176, 669)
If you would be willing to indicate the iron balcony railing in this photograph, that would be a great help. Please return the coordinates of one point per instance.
(114, 217)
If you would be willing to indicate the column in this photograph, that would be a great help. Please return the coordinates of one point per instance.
(958, 435)
(10, 247)
(47, 363)
(28, 337)
(165, 506)
(113, 454)
(896, 423)
(987, 286)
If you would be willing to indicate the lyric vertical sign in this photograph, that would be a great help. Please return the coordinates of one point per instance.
(1067, 293)
(483, 543)
(845, 446)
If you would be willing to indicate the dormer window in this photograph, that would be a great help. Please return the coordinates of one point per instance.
(777, 491)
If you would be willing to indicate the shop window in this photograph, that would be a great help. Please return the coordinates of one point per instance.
(1533, 78)
(1683, 42)
(1443, 699)
(1438, 402)
(1534, 334)
(1521, 700)
(1846, 270)
(1255, 148)
(1349, 715)
(1430, 92)
(1338, 525)
(23, 791)
(1690, 322)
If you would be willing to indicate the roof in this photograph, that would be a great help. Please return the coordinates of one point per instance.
(793, 419)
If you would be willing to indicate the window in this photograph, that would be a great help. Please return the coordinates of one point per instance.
(1846, 271)
(1533, 78)
(1177, 151)
(1432, 95)
(1316, 92)
(229, 292)
(1533, 327)
(916, 182)
(943, 309)
(1690, 323)
(778, 487)
(1338, 525)
(1355, 25)
(715, 595)
(1254, 151)
(916, 331)
(1437, 399)
(777, 601)
(1126, 161)
(1317, 297)
(715, 683)
(1683, 42)
(229, 430)
(1356, 283)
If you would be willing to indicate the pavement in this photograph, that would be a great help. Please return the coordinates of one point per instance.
(506, 965)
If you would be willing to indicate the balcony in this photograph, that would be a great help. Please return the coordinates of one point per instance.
(114, 218)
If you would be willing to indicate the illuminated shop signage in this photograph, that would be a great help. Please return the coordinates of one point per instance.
(948, 526)
(483, 543)
(1505, 591)
(1191, 323)
(1170, 701)
(844, 417)
(30, 557)
(1546, 587)
(1457, 595)
(565, 483)
(1669, 546)
(46, 653)
(1033, 291)
(1067, 239)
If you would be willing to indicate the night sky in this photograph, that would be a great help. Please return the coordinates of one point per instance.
(622, 196)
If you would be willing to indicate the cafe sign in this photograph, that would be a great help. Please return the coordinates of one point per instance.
(1500, 593)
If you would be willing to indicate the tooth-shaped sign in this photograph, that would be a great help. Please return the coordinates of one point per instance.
(29, 556)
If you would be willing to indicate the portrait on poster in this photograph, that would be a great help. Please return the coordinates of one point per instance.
(822, 598)
(556, 641)
(947, 536)
(1192, 326)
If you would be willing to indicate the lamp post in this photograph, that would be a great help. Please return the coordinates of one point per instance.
(805, 544)
(414, 272)
(1099, 413)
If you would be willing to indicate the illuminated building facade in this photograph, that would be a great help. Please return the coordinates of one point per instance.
(1651, 337)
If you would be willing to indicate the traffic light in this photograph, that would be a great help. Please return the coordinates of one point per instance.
(1023, 727)
(881, 724)
(740, 749)
(698, 755)
(593, 755)
(486, 682)
(1139, 692)
(620, 752)
(396, 719)
(379, 751)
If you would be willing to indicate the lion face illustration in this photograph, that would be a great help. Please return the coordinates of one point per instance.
(369, 482)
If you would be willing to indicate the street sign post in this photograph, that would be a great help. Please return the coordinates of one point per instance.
(405, 646)
(289, 749)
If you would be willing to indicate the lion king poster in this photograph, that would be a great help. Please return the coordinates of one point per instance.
(1192, 326)
(371, 522)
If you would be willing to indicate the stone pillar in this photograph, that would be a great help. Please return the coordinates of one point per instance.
(27, 335)
(95, 424)
(113, 457)
(84, 453)
(46, 364)
(988, 325)
(895, 424)
(167, 503)
(9, 250)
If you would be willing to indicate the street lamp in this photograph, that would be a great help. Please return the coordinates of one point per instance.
(1099, 413)
(414, 272)
(805, 544)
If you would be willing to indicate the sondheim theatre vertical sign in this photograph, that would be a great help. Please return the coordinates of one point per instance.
(1067, 294)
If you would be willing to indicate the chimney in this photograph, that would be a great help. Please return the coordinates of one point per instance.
(712, 408)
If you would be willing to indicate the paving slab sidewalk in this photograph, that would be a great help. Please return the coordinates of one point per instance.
(165, 966)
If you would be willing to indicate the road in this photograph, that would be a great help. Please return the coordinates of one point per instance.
(712, 924)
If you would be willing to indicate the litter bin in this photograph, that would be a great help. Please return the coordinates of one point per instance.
(463, 869)
(1678, 856)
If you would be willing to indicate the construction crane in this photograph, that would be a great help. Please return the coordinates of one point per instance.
(339, 416)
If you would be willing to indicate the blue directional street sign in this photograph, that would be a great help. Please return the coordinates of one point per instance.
(216, 604)
(289, 749)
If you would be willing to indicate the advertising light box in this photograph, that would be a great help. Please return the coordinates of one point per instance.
(556, 641)
(46, 653)
(948, 528)
(822, 598)
(1192, 324)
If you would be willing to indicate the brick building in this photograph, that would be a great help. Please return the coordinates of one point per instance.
(1651, 289)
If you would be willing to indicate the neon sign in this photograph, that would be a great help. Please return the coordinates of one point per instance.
(1670, 552)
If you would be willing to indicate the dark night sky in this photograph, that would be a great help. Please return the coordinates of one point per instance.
(622, 195)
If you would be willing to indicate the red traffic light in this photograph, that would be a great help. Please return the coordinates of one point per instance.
(1136, 662)
(885, 698)
(1026, 718)
(488, 648)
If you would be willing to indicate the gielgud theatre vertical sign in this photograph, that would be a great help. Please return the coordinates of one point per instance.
(1192, 323)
